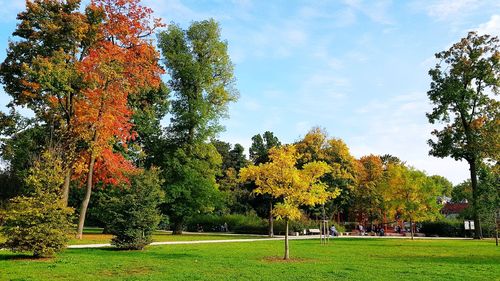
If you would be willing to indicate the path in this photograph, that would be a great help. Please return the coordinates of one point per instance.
(268, 239)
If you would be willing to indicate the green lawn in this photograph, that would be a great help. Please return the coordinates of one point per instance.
(342, 259)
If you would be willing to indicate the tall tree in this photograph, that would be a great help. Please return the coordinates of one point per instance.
(41, 68)
(463, 86)
(281, 178)
(259, 154)
(121, 63)
(202, 81)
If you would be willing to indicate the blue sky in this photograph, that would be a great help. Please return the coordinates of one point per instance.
(356, 68)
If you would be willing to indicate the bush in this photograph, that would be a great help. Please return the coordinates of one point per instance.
(39, 222)
(443, 228)
(133, 215)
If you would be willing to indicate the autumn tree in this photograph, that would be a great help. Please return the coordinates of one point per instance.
(411, 194)
(281, 178)
(318, 146)
(41, 69)
(202, 84)
(368, 199)
(464, 84)
(121, 63)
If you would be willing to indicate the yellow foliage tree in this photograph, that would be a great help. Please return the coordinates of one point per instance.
(281, 179)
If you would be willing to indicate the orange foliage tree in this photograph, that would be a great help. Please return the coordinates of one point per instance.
(120, 63)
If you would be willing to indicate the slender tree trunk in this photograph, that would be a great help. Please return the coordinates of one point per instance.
(478, 233)
(287, 251)
(65, 190)
(271, 220)
(86, 199)
(411, 229)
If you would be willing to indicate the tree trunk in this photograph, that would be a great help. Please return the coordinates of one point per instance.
(177, 228)
(65, 190)
(271, 220)
(411, 229)
(86, 200)
(287, 252)
(478, 233)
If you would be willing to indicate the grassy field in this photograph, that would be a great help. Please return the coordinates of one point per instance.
(342, 259)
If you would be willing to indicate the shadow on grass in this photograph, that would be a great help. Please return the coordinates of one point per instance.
(23, 257)
(465, 260)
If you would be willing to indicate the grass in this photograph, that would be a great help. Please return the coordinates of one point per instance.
(342, 259)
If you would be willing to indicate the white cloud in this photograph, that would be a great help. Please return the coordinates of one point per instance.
(374, 10)
(398, 126)
(491, 27)
(445, 9)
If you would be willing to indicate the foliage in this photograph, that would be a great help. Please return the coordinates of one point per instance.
(133, 214)
(443, 228)
(280, 178)
(39, 222)
(463, 89)
(202, 83)
(411, 194)
(368, 196)
(259, 151)
(190, 184)
(317, 146)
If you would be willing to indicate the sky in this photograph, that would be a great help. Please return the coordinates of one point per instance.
(357, 68)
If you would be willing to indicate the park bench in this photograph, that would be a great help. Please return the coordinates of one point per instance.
(314, 231)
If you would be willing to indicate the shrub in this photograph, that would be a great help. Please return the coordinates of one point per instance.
(443, 228)
(133, 215)
(39, 222)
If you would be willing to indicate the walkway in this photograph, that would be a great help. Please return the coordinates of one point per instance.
(306, 237)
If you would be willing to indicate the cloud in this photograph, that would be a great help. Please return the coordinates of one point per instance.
(374, 10)
(398, 126)
(491, 27)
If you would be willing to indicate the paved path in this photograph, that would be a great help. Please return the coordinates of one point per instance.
(277, 238)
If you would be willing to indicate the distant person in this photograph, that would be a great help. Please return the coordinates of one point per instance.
(333, 231)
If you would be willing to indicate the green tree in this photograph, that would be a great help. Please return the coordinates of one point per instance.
(133, 214)
(463, 86)
(202, 83)
(259, 154)
(281, 178)
(411, 194)
(39, 222)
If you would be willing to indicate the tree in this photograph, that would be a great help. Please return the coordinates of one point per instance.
(280, 178)
(133, 214)
(317, 146)
(41, 68)
(39, 222)
(121, 63)
(368, 200)
(259, 154)
(202, 83)
(462, 91)
(411, 194)
(446, 185)
(259, 151)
